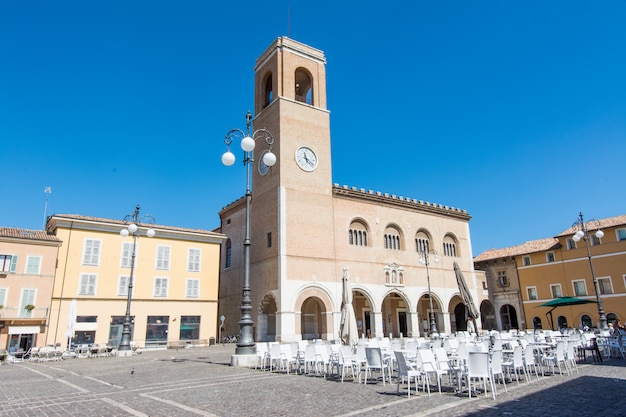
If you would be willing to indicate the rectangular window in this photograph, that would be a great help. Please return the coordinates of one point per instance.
(87, 284)
(229, 255)
(157, 329)
(163, 258)
(595, 240)
(605, 285)
(269, 240)
(193, 260)
(33, 264)
(621, 234)
(532, 293)
(555, 289)
(27, 303)
(525, 260)
(189, 327)
(127, 254)
(91, 252)
(193, 286)
(122, 285)
(13, 265)
(503, 281)
(550, 257)
(160, 287)
(5, 264)
(571, 244)
(3, 296)
(580, 288)
(86, 319)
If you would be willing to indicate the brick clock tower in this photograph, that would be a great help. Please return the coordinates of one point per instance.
(292, 206)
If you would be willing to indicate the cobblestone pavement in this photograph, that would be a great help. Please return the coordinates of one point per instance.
(200, 382)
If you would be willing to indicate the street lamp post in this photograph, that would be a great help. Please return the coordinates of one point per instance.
(134, 221)
(424, 258)
(581, 229)
(245, 344)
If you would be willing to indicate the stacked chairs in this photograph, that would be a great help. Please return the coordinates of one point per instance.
(516, 363)
(556, 357)
(530, 361)
(342, 361)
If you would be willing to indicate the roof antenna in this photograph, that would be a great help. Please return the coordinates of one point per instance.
(47, 190)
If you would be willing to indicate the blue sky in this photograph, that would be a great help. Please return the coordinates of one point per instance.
(512, 110)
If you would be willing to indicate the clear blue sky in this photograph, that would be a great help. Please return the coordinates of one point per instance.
(512, 110)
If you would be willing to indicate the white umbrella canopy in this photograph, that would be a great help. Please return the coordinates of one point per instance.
(348, 329)
(71, 324)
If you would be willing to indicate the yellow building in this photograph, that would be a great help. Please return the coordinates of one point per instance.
(175, 277)
(27, 267)
(561, 266)
(305, 230)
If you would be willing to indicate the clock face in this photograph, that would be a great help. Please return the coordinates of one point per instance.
(306, 158)
(263, 167)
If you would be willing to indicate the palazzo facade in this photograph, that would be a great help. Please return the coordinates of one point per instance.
(305, 229)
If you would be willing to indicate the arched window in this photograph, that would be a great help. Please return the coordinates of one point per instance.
(450, 246)
(304, 86)
(422, 241)
(229, 253)
(392, 238)
(357, 235)
(537, 323)
(561, 322)
(269, 90)
(585, 321)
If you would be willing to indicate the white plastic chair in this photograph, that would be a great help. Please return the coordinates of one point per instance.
(478, 368)
(556, 357)
(405, 371)
(429, 366)
(530, 361)
(497, 368)
(375, 361)
(344, 360)
(516, 363)
(262, 355)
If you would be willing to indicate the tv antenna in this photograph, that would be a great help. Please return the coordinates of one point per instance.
(47, 190)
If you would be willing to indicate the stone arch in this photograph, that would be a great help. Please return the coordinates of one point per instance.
(395, 309)
(304, 86)
(266, 320)
(508, 317)
(364, 308)
(488, 316)
(423, 308)
(314, 306)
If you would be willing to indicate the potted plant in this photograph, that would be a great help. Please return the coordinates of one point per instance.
(29, 307)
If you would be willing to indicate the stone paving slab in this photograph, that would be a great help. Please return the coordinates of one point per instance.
(200, 382)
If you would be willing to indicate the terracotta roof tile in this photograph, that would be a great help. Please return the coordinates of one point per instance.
(598, 224)
(17, 233)
(529, 247)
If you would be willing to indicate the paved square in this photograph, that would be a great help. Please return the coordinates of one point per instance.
(200, 382)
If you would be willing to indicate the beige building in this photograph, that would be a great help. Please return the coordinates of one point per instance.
(27, 266)
(560, 266)
(175, 277)
(305, 230)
